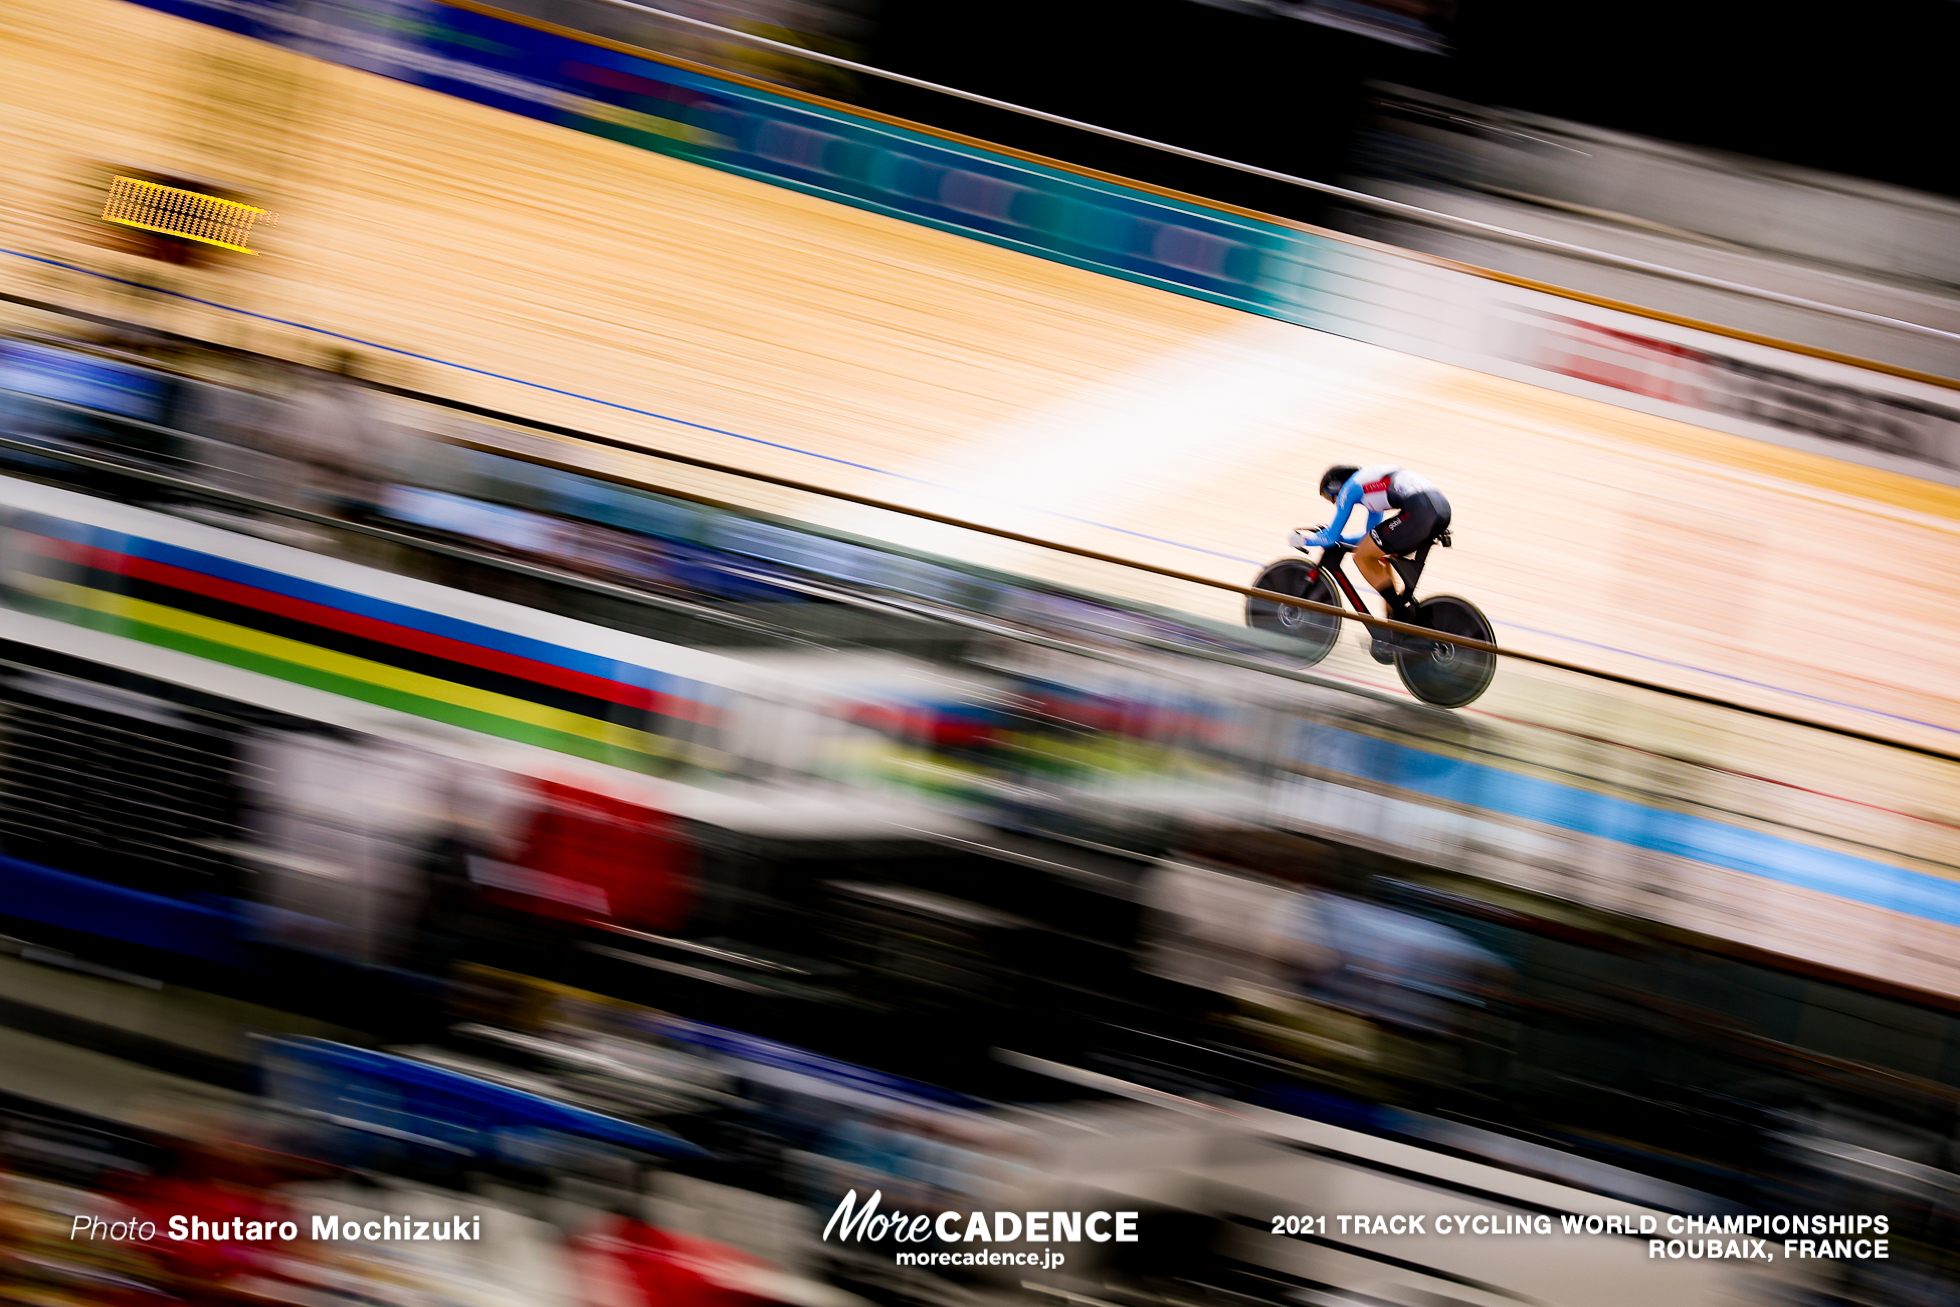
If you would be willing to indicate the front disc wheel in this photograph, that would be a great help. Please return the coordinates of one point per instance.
(1312, 632)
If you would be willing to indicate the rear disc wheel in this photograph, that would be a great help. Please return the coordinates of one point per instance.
(1313, 633)
(1436, 671)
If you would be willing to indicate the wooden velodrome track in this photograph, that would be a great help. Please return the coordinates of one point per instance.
(1015, 391)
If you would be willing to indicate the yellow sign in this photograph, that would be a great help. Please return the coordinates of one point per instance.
(224, 223)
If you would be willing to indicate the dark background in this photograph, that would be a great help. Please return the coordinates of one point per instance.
(1867, 91)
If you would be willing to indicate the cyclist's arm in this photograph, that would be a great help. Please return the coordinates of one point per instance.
(1344, 506)
(1374, 520)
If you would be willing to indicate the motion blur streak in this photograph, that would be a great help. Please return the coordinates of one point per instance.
(1109, 452)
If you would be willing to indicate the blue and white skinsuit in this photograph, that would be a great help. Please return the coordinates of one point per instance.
(1421, 513)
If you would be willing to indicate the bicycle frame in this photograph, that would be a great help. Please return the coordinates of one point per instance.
(1332, 558)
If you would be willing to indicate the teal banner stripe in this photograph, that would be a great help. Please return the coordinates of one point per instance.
(1587, 812)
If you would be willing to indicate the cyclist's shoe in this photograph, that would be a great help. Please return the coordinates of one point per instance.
(1384, 644)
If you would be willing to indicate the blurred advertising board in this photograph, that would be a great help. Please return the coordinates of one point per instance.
(1748, 386)
(1730, 382)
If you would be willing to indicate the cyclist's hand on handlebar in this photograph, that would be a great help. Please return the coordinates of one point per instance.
(1306, 537)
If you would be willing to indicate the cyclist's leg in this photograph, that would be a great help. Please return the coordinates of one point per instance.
(1422, 519)
(1372, 562)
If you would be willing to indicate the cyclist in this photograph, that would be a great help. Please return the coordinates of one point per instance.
(1405, 512)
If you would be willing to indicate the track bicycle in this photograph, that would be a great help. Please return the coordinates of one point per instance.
(1439, 672)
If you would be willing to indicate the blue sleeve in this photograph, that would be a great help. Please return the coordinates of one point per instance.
(1344, 506)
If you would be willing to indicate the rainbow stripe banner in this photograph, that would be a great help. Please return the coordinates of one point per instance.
(361, 647)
